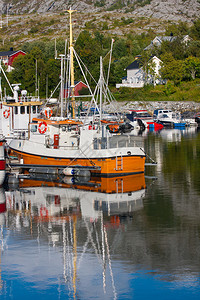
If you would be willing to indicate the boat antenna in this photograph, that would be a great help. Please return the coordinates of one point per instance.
(110, 61)
(55, 50)
(70, 11)
(36, 79)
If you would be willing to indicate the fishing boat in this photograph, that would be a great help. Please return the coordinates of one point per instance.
(68, 145)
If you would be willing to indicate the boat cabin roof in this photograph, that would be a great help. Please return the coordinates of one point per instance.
(30, 103)
(57, 122)
(156, 111)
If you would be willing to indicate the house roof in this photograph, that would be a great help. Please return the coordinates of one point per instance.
(75, 84)
(10, 53)
(165, 38)
(136, 64)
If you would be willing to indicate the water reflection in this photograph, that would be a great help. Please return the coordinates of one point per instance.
(127, 237)
(75, 216)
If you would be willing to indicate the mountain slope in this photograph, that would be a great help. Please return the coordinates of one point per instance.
(164, 9)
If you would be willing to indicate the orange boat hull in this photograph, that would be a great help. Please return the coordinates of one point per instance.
(104, 166)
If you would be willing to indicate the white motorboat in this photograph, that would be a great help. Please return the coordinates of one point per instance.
(168, 118)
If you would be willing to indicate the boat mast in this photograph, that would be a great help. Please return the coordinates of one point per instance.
(101, 80)
(61, 88)
(71, 63)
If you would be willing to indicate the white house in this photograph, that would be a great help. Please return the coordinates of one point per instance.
(136, 76)
(157, 41)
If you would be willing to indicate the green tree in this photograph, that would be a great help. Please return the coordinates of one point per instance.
(118, 69)
(193, 48)
(145, 64)
(192, 66)
(119, 48)
(172, 68)
(195, 30)
(179, 29)
(88, 48)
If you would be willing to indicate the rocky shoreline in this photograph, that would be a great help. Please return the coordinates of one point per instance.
(150, 106)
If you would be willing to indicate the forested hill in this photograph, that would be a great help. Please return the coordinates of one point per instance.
(34, 26)
(183, 10)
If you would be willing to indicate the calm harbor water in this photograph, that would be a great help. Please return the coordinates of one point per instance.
(135, 237)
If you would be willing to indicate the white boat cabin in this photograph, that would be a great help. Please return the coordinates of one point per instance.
(17, 112)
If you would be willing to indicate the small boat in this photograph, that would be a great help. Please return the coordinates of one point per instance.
(168, 118)
(142, 119)
(197, 120)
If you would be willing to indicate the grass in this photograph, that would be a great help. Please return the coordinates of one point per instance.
(186, 91)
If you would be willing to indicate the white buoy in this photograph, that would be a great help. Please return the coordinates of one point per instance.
(69, 171)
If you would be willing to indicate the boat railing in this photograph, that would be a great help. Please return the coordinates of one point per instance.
(116, 142)
(28, 99)
(60, 147)
(20, 134)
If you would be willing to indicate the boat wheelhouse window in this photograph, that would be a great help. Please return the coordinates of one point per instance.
(34, 109)
(22, 110)
(28, 109)
(16, 110)
(38, 109)
(33, 128)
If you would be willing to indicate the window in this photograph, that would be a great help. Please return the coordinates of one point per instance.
(28, 109)
(33, 128)
(16, 110)
(34, 109)
(22, 110)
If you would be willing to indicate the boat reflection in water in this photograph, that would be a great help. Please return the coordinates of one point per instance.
(76, 215)
(117, 195)
(2, 206)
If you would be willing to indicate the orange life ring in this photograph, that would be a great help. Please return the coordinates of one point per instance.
(48, 112)
(43, 211)
(6, 113)
(42, 128)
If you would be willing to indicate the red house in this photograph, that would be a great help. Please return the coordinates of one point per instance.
(78, 85)
(7, 57)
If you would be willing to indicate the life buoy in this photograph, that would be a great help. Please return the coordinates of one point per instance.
(42, 128)
(6, 113)
(43, 211)
(48, 112)
(91, 127)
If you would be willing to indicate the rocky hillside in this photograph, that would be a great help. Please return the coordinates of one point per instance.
(36, 19)
(185, 10)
